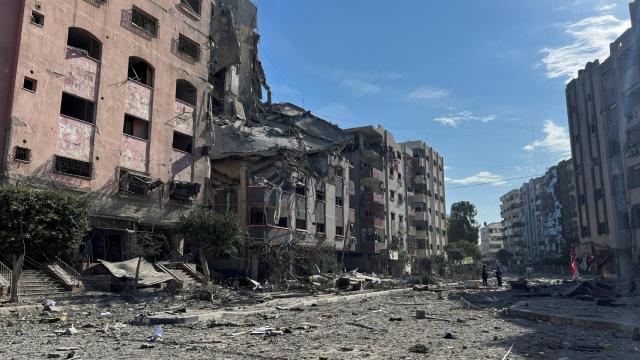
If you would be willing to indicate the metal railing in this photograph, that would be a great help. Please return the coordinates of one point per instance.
(5, 274)
(71, 272)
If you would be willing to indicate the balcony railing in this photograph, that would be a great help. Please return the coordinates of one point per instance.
(373, 173)
(372, 221)
(5, 275)
(373, 197)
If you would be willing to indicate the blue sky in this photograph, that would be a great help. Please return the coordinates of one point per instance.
(480, 81)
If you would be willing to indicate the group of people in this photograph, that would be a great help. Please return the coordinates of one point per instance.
(485, 275)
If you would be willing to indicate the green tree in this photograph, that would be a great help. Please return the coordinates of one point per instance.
(504, 256)
(210, 232)
(147, 245)
(462, 225)
(39, 222)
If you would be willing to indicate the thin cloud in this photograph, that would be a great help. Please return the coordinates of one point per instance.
(590, 40)
(482, 177)
(556, 140)
(606, 7)
(365, 83)
(455, 119)
(361, 87)
(428, 93)
(337, 113)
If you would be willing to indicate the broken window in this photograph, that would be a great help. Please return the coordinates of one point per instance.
(339, 201)
(193, 5)
(320, 228)
(77, 108)
(68, 166)
(301, 224)
(140, 71)
(339, 231)
(37, 18)
(186, 92)
(30, 84)
(188, 47)
(82, 41)
(144, 21)
(135, 127)
(184, 191)
(283, 222)
(133, 182)
(22, 154)
(319, 195)
(182, 142)
(301, 189)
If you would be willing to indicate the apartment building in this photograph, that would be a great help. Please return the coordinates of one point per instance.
(107, 98)
(512, 212)
(491, 240)
(427, 201)
(603, 105)
(380, 200)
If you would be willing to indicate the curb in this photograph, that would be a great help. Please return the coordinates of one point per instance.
(570, 320)
(165, 318)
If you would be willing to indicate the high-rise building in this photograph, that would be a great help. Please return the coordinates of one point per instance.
(427, 201)
(512, 212)
(603, 107)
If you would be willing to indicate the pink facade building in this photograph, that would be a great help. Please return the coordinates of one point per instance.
(108, 98)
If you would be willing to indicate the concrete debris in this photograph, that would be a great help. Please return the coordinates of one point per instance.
(419, 349)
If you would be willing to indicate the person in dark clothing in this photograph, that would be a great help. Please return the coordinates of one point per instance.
(485, 275)
(499, 275)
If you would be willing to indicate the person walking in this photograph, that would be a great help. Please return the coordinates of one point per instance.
(485, 275)
(499, 275)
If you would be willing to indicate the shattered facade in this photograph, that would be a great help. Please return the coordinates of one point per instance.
(426, 201)
(512, 212)
(108, 98)
(550, 221)
(603, 105)
(150, 107)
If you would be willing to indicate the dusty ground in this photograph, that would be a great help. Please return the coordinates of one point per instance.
(316, 332)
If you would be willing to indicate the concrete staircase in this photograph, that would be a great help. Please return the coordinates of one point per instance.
(39, 283)
(188, 280)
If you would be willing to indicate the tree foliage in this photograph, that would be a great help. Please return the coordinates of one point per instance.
(211, 231)
(49, 222)
(462, 225)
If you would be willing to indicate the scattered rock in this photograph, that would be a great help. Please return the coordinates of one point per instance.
(449, 336)
(419, 349)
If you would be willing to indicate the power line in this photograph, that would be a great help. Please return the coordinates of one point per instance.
(493, 182)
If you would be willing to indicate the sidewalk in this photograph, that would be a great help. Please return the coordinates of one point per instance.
(581, 313)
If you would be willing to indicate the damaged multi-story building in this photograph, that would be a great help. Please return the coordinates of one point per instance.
(149, 107)
(427, 205)
(399, 202)
(603, 107)
(512, 212)
(491, 240)
(550, 221)
(111, 99)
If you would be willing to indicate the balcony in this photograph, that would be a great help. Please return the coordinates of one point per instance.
(373, 175)
(183, 118)
(411, 230)
(411, 212)
(75, 138)
(370, 197)
(352, 187)
(420, 179)
(268, 233)
(371, 221)
(352, 216)
(81, 74)
(181, 163)
(260, 195)
(138, 99)
(134, 153)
